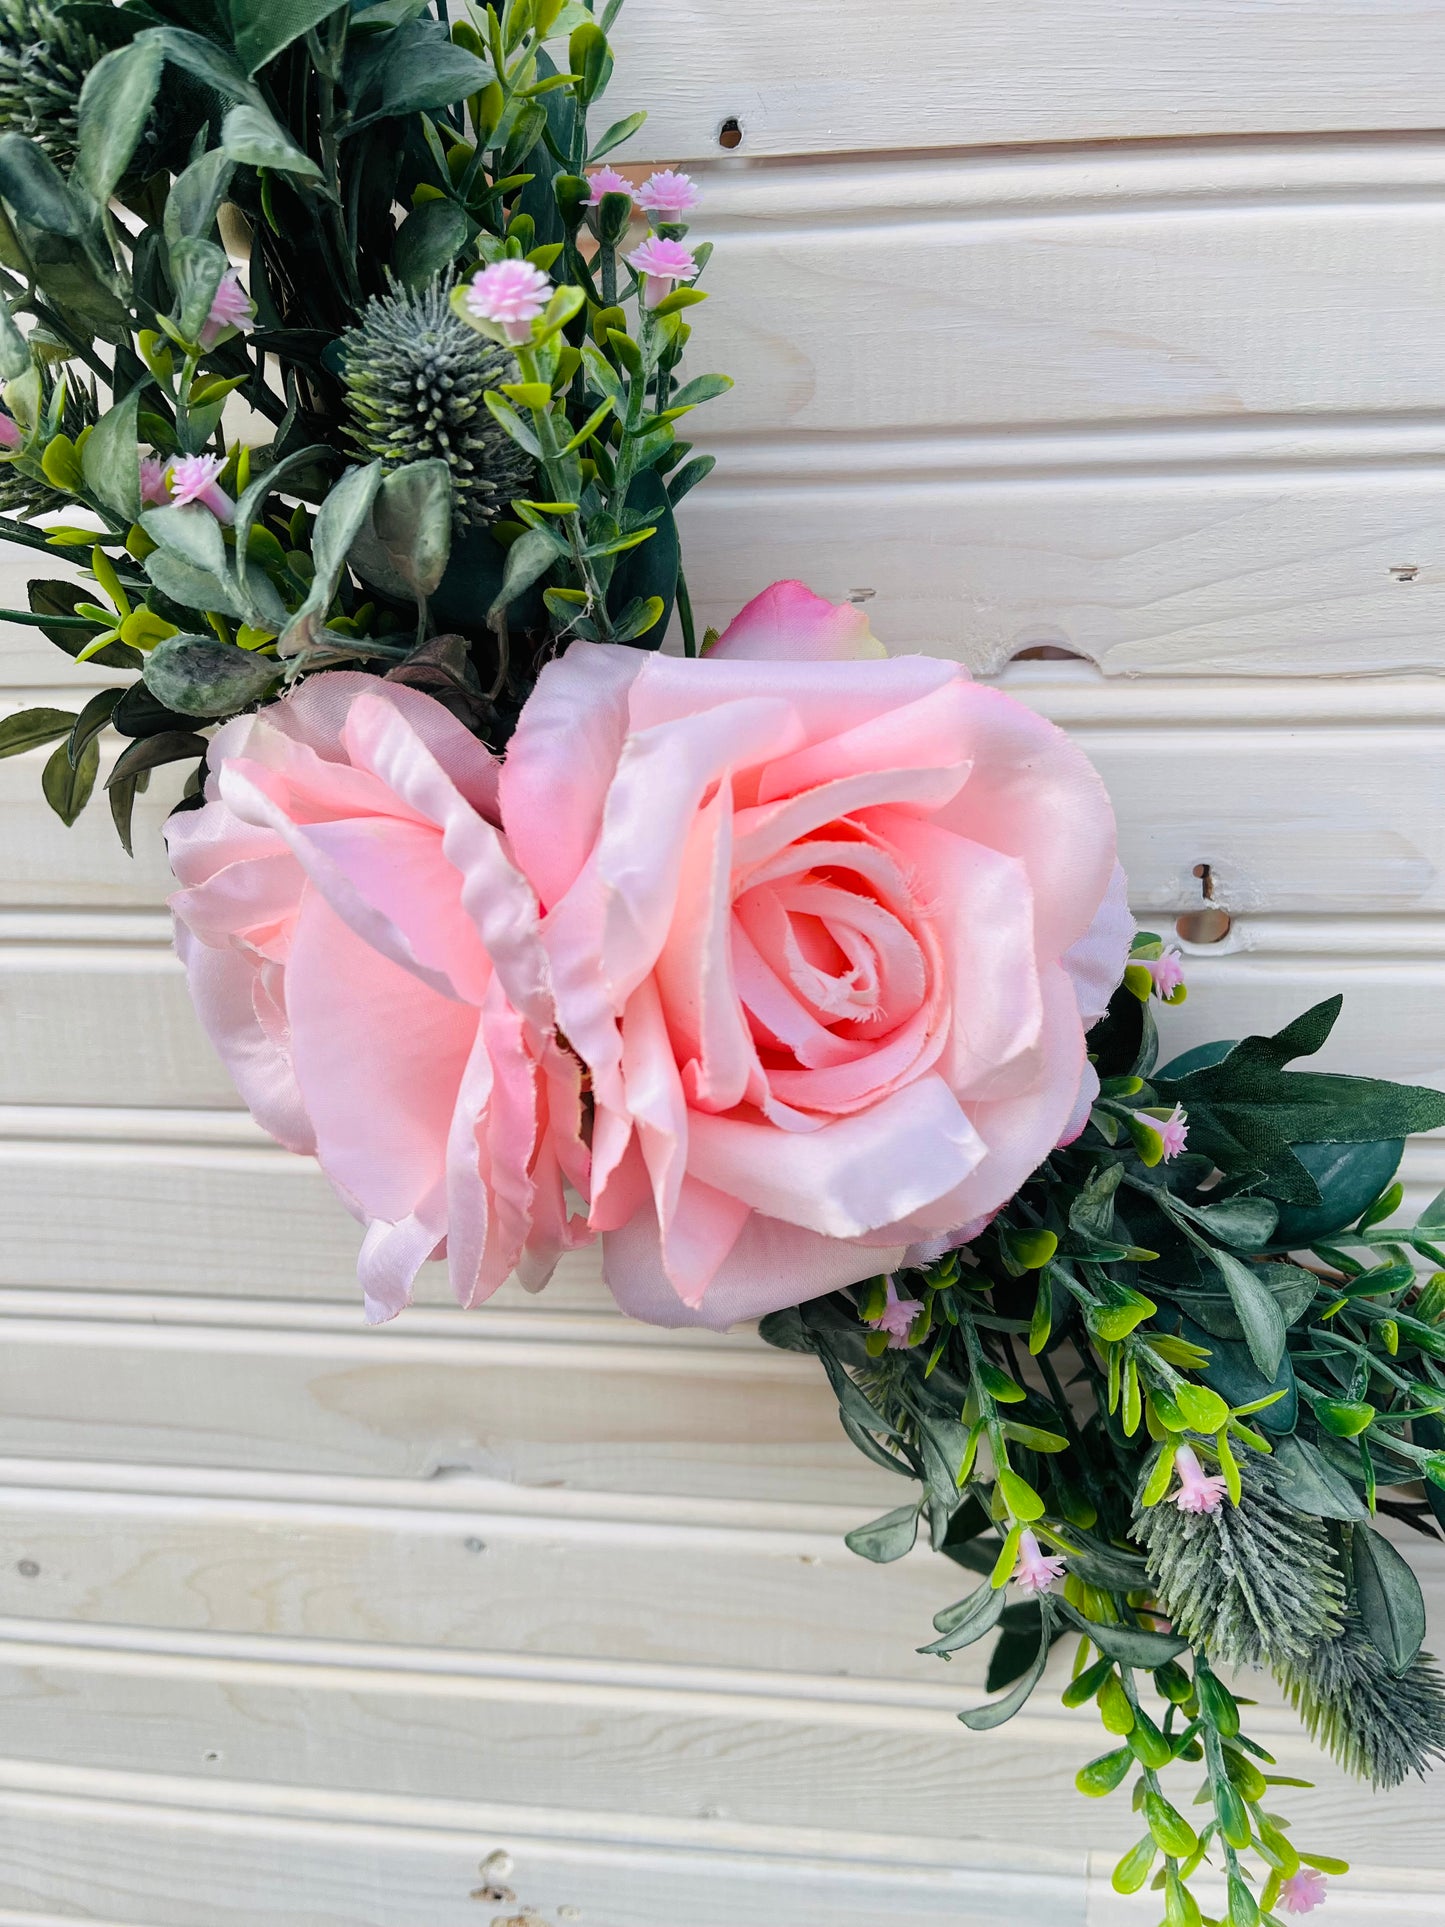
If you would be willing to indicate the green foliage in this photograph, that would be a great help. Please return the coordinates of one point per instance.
(1379, 1726)
(45, 55)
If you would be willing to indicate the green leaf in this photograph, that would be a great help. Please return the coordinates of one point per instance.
(406, 541)
(885, 1539)
(122, 797)
(189, 531)
(37, 190)
(110, 459)
(688, 477)
(617, 133)
(430, 239)
(339, 520)
(261, 29)
(1131, 1645)
(1246, 1223)
(49, 598)
(1388, 1597)
(1349, 1177)
(969, 1620)
(195, 197)
(203, 676)
(982, 1719)
(197, 270)
(1309, 1483)
(700, 389)
(1257, 1311)
(252, 138)
(150, 752)
(32, 728)
(68, 789)
(413, 69)
(115, 104)
(528, 559)
(194, 588)
(90, 722)
(1432, 1219)
(1103, 1775)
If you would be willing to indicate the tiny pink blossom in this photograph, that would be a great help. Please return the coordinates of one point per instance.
(10, 436)
(510, 294)
(1173, 1130)
(1167, 972)
(1303, 1892)
(668, 195)
(1199, 1491)
(193, 479)
(154, 488)
(231, 308)
(660, 265)
(1036, 1570)
(607, 180)
(896, 1318)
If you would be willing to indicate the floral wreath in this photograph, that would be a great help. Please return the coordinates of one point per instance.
(799, 976)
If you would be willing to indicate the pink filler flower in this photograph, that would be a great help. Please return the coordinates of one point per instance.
(510, 294)
(193, 479)
(1167, 972)
(10, 435)
(155, 490)
(1036, 1570)
(896, 1318)
(1173, 1130)
(661, 265)
(1303, 1892)
(231, 308)
(1199, 1491)
(668, 195)
(607, 180)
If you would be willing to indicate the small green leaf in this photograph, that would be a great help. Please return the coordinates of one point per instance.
(68, 788)
(1388, 1597)
(1131, 1645)
(616, 134)
(150, 752)
(970, 1620)
(982, 1719)
(1257, 1310)
(115, 104)
(203, 676)
(1134, 1869)
(90, 722)
(1103, 1775)
(32, 728)
(888, 1538)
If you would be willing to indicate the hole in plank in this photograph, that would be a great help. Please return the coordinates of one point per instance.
(730, 134)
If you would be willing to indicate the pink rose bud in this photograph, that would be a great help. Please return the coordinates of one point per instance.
(896, 1318)
(607, 180)
(231, 308)
(1199, 1491)
(668, 195)
(154, 488)
(193, 479)
(660, 265)
(510, 294)
(1167, 972)
(1303, 1892)
(1036, 1570)
(10, 435)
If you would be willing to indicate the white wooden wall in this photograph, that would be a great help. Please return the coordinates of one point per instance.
(1113, 328)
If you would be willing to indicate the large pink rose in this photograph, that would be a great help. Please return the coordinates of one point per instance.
(366, 958)
(827, 934)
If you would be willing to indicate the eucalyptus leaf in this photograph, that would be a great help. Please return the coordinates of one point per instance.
(195, 197)
(851, 1400)
(1310, 1484)
(110, 459)
(1130, 1645)
(29, 729)
(197, 269)
(1388, 1597)
(883, 1540)
(405, 544)
(190, 532)
(192, 587)
(1257, 1310)
(115, 104)
(982, 1719)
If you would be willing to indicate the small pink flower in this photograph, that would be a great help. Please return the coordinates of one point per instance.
(660, 265)
(193, 479)
(232, 308)
(154, 488)
(1167, 972)
(1036, 1570)
(668, 195)
(1303, 1892)
(510, 294)
(10, 435)
(607, 180)
(1199, 1491)
(1174, 1130)
(896, 1318)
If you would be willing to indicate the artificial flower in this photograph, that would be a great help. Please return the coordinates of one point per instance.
(510, 295)
(155, 490)
(826, 932)
(660, 265)
(366, 958)
(896, 1317)
(193, 479)
(1199, 1491)
(606, 180)
(10, 435)
(1303, 1892)
(1168, 974)
(231, 309)
(1036, 1570)
(668, 195)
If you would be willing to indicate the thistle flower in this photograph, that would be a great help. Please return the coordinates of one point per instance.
(660, 265)
(896, 1318)
(1378, 1727)
(1199, 1491)
(231, 308)
(193, 479)
(1302, 1892)
(607, 180)
(1036, 1570)
(415, 378)
(44, 59)
(1257, 1583)
(668, 195)
(509, 294)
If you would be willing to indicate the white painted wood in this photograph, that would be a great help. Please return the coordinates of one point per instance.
(1020, 70)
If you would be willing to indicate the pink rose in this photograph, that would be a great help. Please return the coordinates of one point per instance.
(366, 958)
(827, 934)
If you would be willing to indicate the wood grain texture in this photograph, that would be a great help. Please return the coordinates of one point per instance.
(1021, 70)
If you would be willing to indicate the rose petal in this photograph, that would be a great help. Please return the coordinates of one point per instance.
(788, 623)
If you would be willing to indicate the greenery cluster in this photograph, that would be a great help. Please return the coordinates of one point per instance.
(356, 162)
(1249, 1300)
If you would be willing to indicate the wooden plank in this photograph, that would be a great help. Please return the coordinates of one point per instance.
(1019, 70)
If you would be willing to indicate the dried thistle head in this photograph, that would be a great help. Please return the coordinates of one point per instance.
(415, 378)
(1253, 1584)
(1378, 1727)
(45, 56)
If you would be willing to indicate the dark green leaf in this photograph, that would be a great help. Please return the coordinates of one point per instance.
(115, 104)
(970, 1620)
(37, 190)
(252, 138)
(1350, 1177)
(90, 722)
(49, 598)
(1310, 1484)
(1388, 1597)
(260, 29)
(413, 69)
(111, 459)
(430, 239)
(33, 728)
(851, 1400)
(885, 1539)
(68, 789)
(651, 569)
(1234, 1375)
(983, 1719)
(1130, 1645)
(1257, 1310)
(139, 714)
(528, 560)
(405, 543)
(172, 746)
(122, 797)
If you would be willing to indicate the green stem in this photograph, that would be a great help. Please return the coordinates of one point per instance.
(27, 538)
(46, 622)
(685, 616)
(331, 149)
